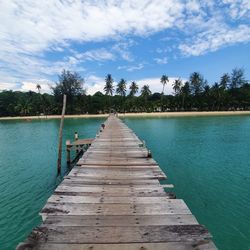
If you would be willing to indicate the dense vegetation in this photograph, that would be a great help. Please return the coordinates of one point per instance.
(231, 92)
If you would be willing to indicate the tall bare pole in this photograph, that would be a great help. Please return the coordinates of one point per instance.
(59, 160)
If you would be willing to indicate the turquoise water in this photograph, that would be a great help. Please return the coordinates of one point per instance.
(28, 173)
(206, 158)
(208, 161)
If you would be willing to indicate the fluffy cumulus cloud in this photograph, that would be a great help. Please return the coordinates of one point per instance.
(30, 30)
(156, 86)
(44, 84)
(94, 84)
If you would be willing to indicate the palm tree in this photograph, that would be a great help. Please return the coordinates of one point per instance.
(185, 92)
(121, 90)
(145, 91)
(38, 86)
(216, 94)
(109, 88)
(164, 81)
(197, 83)
(121, 87)
(177, 86)
(133, 89)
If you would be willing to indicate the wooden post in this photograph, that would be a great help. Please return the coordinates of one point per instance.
(149, 154)
(76, 138)
(59, 160)
(68, 147)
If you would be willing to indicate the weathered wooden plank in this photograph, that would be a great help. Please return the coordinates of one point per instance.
(114, 158)
(112, 192)
(132, 154)
(114, 177)
(114, 196)
(117, 162)
(178, 207)
(123, 177)
(147, 234)
(107, 199)
(194, 245)
(112, 187)
(109, 181)
(120, 171)
(114, 167)
(118, 150)
(120, 221)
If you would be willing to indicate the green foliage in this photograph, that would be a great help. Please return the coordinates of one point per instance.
(109, 87)
(121, 88)
(133, 89)
(164, 81)
(232, 92)
(70, 84)
(237, 78)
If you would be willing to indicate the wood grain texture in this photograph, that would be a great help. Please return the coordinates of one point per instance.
(112, 199)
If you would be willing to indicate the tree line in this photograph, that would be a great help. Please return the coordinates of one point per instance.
(231, 92)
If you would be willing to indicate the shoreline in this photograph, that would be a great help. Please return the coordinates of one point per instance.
(155, 114)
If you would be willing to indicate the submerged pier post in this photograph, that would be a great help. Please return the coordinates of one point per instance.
(76, 139)
(68, 146)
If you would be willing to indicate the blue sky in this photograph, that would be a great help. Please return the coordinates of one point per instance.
(137, 40)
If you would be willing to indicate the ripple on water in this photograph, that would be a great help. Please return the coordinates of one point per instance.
(208, 161)
(28, 171)
(206, 158)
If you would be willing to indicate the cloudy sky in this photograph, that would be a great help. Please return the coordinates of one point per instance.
(133, 39)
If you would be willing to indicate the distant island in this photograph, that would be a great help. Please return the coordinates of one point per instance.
(230, 93)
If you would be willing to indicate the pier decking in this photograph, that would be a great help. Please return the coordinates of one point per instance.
(112, 199)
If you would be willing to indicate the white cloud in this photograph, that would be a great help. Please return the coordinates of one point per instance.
(238, 8)
(8, 86)
(36, 26)
(131, 68)
(30, 29)
(32, 85)
(122, 48)
(96, 55)
(214, 39)
(94, 84)
(155, 84)
(163, 60)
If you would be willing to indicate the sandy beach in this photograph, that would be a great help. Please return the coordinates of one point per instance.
(155, 114)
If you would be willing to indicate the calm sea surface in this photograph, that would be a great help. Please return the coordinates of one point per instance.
(206, 158)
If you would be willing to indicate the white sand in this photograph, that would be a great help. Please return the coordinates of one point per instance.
(155, 114)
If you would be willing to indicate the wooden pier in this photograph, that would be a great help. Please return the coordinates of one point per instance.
(112, 199)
